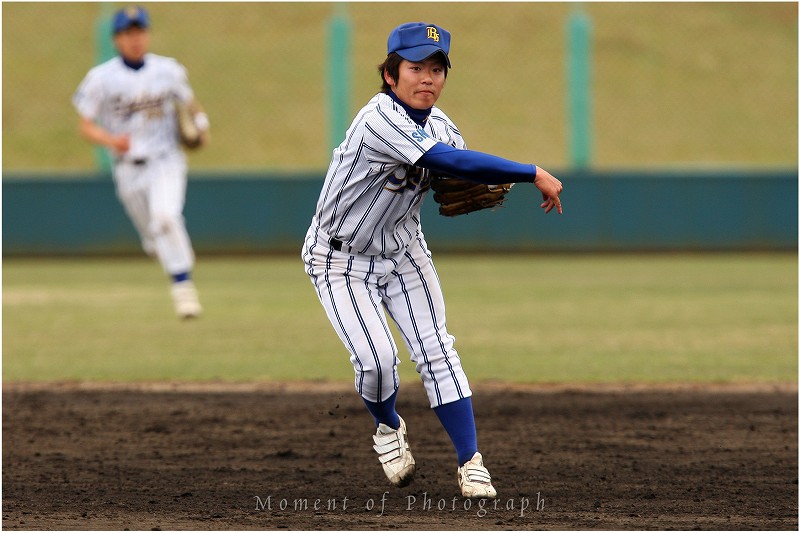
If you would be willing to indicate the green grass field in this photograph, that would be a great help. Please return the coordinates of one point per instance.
(517, 318)
(676, 83)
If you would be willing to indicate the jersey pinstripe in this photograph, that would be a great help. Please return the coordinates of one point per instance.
(137, 102)
(373, 193)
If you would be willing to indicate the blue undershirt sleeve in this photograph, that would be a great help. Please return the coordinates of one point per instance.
(475, 166)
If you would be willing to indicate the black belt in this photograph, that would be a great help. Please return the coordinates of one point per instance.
(137, 162)
(339, 246)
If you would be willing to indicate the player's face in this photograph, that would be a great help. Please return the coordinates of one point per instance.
(133, 43)
(419, 84)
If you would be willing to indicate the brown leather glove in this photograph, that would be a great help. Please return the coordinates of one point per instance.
(460, 197)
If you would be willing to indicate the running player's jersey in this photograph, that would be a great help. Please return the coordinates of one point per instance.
(137, 102)
(373, 193)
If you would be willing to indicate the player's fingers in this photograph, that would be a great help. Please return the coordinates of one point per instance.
(552, 202)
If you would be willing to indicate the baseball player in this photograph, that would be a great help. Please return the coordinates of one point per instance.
(367, 257)
(127, 105)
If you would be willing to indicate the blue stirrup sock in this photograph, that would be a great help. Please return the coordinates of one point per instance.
(459, 422)
(384, 412)
(183, 276)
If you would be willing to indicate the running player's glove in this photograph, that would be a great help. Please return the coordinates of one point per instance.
(187, 127)
(456, 196)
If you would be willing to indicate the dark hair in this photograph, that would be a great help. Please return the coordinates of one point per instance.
(392, 68)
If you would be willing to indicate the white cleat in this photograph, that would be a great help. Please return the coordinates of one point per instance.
(184, 296)
(474, 479)
(394, 455)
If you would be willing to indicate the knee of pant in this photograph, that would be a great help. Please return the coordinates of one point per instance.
(367, 364)
(372, 383)
(161, 224)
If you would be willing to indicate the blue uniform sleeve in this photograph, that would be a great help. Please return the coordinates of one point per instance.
(475, 166)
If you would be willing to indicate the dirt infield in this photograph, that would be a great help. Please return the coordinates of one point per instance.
(300, 458)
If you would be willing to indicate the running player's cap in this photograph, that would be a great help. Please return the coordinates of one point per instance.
(130, 16)
(416, 41)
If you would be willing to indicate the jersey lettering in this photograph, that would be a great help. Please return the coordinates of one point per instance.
(152, 106)
(420, 135)
(414, 178)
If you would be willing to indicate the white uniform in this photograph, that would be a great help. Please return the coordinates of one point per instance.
(150, 178)
(365, 252)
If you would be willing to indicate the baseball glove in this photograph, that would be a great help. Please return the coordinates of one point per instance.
(456, 196)
(188, 131)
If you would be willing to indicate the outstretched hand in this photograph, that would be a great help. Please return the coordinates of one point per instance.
(119, 143)
(551, 188)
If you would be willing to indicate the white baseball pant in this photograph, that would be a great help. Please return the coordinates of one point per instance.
(356, 289)
(153, 195)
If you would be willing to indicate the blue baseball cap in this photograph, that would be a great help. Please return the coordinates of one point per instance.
(417, 41)
(130, 16)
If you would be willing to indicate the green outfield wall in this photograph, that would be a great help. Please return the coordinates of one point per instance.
(263, 213)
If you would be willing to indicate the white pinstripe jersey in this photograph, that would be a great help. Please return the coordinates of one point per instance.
(373, 193)
(137, 102)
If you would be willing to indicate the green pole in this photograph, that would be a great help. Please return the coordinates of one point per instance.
(579, 87)
(338, 74)
(104, 51)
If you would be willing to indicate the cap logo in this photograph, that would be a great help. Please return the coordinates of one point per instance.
(132, 12)
(433, 34)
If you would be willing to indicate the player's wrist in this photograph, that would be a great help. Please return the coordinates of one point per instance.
(110, 141)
